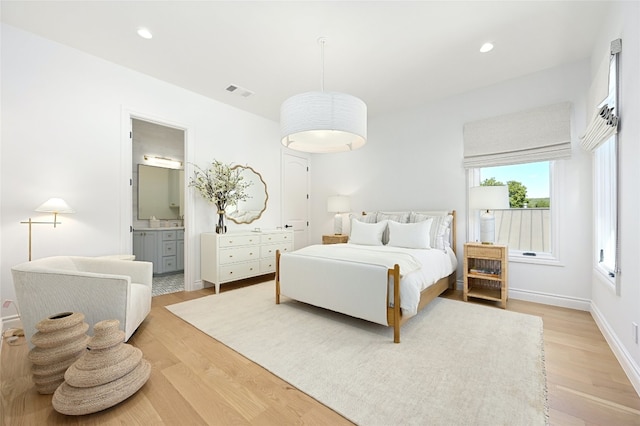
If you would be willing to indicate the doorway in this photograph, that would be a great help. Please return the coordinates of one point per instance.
(295, 197)
(158, 202)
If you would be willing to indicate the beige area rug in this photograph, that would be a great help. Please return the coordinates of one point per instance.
(458, 363)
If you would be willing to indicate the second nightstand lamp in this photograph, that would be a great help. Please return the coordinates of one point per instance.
(488, 198)
(338, 204)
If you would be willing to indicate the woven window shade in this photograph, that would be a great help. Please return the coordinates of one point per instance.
(539, 134)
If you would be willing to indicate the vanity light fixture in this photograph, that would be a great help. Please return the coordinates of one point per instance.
(163, 162)
(321, 122)
(52, 205)
(145, 33)
(487, 47)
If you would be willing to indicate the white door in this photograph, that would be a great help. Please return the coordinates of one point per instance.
(295, 197)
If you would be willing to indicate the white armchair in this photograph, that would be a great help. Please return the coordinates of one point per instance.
(100, 288)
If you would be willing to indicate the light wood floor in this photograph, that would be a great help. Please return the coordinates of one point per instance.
(197, 381)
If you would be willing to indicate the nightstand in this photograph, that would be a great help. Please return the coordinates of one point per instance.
(486, 272)
(334, 239)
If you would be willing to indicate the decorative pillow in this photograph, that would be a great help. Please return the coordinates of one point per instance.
(400, 217)
(365, 217)
(439, 227)
(410, 235)
(368, 234)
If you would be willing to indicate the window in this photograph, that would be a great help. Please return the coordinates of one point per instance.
(526, 227)
(605, 191)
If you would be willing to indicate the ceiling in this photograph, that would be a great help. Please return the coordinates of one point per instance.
(391, 54)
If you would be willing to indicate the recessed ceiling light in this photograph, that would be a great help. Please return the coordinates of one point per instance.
(144, 33)
(487, 47)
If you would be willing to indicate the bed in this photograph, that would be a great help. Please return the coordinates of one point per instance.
(394, 264)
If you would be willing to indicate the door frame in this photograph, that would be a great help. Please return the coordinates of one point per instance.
(126, 189)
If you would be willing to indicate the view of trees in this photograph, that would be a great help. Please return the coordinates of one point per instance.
(518, 194)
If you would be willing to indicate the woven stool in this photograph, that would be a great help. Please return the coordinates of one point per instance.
(107, 374)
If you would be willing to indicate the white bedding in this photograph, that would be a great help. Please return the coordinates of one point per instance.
(419, 268)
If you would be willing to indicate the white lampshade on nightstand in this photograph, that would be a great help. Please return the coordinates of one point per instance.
(338, 204)
(488, 198)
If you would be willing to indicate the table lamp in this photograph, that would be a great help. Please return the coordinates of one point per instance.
(488, 198)
(338, 204)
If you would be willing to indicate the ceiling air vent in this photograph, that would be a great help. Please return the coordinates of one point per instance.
(239, 91)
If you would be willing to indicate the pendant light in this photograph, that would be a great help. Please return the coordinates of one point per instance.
(321, 122)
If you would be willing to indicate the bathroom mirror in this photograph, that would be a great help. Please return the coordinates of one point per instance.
(252, 208)
(160, 193)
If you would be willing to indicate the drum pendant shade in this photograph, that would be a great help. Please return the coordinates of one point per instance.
(322, 122)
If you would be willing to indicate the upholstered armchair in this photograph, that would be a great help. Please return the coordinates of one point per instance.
(100, 288)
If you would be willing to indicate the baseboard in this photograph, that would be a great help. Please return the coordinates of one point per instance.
(545, 298)
(12, 321)
(550, 299)
(627, 363)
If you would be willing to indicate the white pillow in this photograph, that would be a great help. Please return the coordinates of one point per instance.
(368, 234)
(410, 235)
(438, 227)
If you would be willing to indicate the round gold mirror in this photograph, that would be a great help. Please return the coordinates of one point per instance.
(256, 203)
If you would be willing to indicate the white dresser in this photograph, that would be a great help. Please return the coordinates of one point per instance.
(237, 255)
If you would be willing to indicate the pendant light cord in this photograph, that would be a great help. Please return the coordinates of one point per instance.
(322, 40)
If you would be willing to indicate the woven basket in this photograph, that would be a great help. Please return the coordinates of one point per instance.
(60, 340)
(110, 372)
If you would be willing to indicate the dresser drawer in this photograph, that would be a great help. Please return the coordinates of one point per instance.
(276, 237)
(267, 265)
(240, 254)
(239, 270)
(169, 248)
(238, 240)
(269, 251)
(168, 235)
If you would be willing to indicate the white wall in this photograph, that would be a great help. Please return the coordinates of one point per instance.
(613, 313)
(413, 160)
(62, 135)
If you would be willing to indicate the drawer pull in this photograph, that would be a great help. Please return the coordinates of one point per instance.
(251, 269)
(231, 273)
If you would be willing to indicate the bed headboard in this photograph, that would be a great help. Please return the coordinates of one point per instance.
(407, 214)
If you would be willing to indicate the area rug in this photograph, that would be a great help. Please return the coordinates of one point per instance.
(457, 363)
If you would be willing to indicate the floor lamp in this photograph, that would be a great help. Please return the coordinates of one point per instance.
(488, 198)
(52, 205)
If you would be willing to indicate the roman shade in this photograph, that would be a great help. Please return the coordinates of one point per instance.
(540, 134)
(604, 123)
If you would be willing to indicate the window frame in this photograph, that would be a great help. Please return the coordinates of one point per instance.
(556, 170)
(606, 191)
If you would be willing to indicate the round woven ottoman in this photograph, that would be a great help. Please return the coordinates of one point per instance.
(107, 374)
(60, 340)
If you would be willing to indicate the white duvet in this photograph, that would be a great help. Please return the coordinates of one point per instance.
(419, 269)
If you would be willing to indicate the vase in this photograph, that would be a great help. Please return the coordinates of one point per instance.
(60, 340)
(107, 374)
(221, 228)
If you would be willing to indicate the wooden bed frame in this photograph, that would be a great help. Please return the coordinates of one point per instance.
(395, 318)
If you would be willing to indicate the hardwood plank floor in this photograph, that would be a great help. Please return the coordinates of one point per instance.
(196, 380)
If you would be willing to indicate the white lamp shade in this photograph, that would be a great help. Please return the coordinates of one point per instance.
(55, 205)
(338, 204)
(322, 122)
(489, 197)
